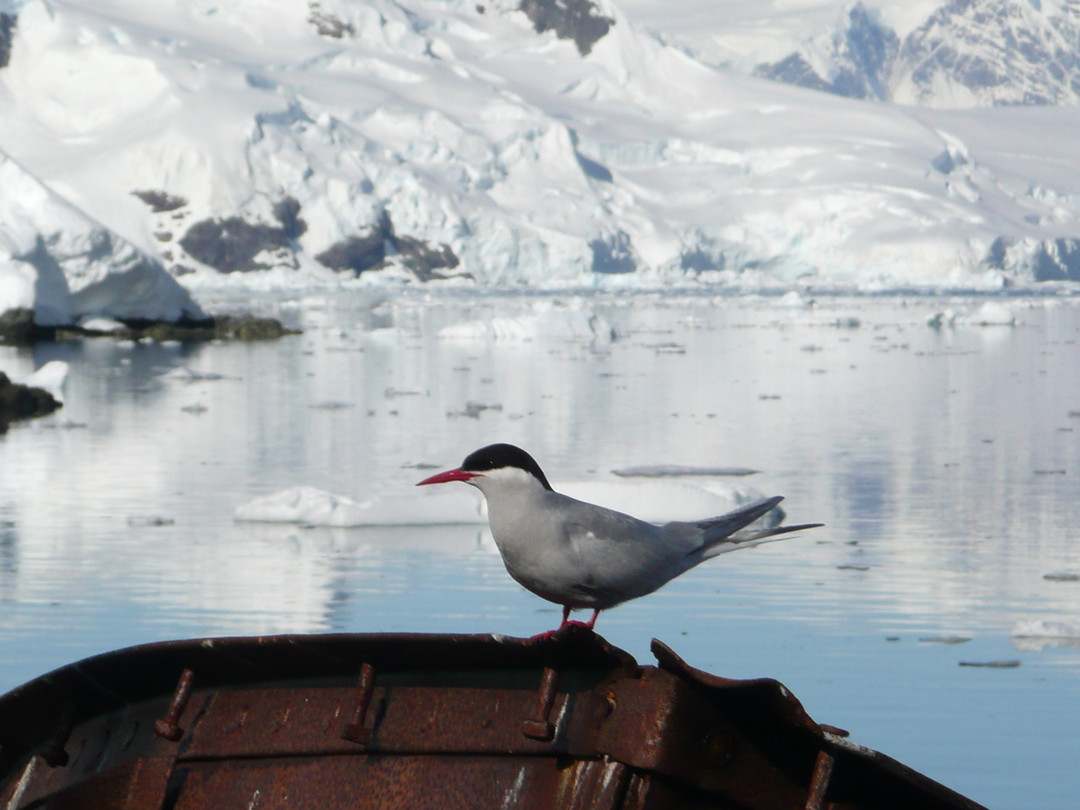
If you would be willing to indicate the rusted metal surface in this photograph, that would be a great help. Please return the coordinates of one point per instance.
(394, 721)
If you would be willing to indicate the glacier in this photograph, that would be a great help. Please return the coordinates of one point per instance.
(152, 153)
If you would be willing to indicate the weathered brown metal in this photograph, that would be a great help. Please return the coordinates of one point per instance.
(167, 727)
(541, 728)
(391, 721)
(355, 731)
(819, 782)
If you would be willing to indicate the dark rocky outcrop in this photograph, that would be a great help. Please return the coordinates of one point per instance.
(424, 259)
(218, 327)
(372, 247)
(613, 254)
(17, 327)
(578, 20)
(362, 251)
(19, 401)
(160, 202)
(7, 33)
(233, 244)
(327, 25)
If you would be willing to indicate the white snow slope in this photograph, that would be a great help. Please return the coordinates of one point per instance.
(281, 142)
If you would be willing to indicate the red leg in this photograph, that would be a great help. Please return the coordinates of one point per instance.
(567, 624)
(565, 616)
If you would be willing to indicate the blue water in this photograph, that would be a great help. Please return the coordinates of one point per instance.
(943, 461)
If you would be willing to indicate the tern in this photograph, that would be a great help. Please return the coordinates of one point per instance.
(579, 555)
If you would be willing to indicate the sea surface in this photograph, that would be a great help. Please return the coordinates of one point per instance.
(944, 459)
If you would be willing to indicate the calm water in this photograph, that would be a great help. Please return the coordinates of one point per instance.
(944, 462)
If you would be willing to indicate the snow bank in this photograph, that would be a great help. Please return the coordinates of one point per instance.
(65, 267)
(654, 501)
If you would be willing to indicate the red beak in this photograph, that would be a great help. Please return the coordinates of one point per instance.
(449, 475)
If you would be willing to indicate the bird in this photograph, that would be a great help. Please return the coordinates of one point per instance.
(583, 556)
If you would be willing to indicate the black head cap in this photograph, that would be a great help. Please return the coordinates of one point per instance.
(498, 456)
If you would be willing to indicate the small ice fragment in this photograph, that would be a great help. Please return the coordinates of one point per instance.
(51, 377)
(315, 507)
(945, 639)
(944, 318)
(991, 314)
(794, 300)
(102, 326)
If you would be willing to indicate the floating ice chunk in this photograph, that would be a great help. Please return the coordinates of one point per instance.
(51, 377)
(990, 314)
(105, 326)
(946, 317)
(794, 300)
(317, 507)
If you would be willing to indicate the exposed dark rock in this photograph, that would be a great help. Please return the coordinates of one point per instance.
(369, 249)
(864, 55)
(363, 251)
(794, 69)
(17, 327)
(327, 25)
(578, 20)
(230, 245)
(219, 327)
(287, 212)
(7, 33)
(424, 259)
(160, 201)
(613, 255)
(698, 261)
(872, 49)
(19, 401)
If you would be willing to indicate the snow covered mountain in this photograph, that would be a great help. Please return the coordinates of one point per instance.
(968, 53)
(259, 143)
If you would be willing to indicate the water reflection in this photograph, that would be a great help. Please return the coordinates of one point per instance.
(942, 460)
